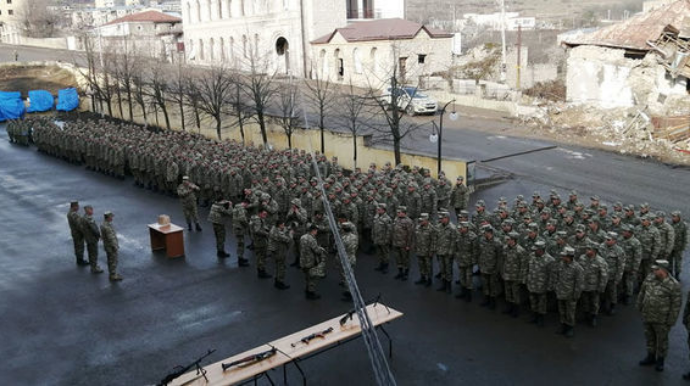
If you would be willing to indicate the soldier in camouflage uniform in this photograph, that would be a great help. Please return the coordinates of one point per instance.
(512, 270)
(596, 276)
(659, 303)
(465, 253)
(259, 229)
(633, 258)
(537, 277)
(296, 220)
(110, 244)
(351, 244)
(91, 235)
(615, 259)
(312, 261)
(412, 202)
(429, 200)
(686, 321)
(425, 246)
(443, 191)
(381, 237)
(680, 231)
(651, 246)
(568, 283)
(187, 193)
(220, 210)
(279, 240)
(445, 242)
(74, 221)
(459, 196)
(240, 226)
(402, 240)
(480, 216)
(489, 257)
(666, 233)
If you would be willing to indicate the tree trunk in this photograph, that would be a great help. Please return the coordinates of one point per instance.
(323, 141)
(354, 150)
(241, 123)
(218, 124)
(289, 136)
(119, 102)
(129, 103)
(164, 108)
(262, 126)
(181, 106)
(396, 150)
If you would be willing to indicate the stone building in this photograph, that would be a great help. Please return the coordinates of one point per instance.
(367, 53)
(10, 15)
(270, 35)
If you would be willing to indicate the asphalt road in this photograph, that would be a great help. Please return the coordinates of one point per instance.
(61, 325)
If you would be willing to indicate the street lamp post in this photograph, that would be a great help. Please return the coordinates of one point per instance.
(439, 138)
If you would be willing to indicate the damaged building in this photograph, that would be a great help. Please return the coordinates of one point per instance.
(641, 62)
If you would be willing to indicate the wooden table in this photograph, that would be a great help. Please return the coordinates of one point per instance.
(378, 313)
(167, 237)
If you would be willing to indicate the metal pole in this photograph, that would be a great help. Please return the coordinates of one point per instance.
(503, 41)
(440, 137)
(519, 57)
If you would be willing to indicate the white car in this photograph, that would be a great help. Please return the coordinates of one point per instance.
(411, 100)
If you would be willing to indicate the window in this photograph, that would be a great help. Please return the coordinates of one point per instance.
(281, 46)
(421, 58)
(358, 61)
(374, 61)
(10, 12)
(9, 1)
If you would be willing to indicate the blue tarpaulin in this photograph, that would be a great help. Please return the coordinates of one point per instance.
(11, 105)
(68, 99)
(41, 100)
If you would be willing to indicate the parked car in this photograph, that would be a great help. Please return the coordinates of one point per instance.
(411, 100)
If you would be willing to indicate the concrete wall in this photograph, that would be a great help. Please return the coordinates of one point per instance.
(55, 43)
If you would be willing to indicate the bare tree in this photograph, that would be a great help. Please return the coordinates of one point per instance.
(259, 87)
(215, 88)
(177, 90)
(320, 96)
(140, 93)
(92, 70)
(158, 90)
(129, 64)
(354, 110)
(38, 18)
(289, 114)
(240, 109)
(194, 100)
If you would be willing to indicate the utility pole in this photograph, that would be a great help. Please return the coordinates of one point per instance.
(503, 41)
(519, 51)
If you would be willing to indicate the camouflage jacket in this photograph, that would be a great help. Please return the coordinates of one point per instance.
(596, 273)
(413, 202)
(513, 263)
(680, 231)
(351, 243)
(425, 240)
(90, 229)
(633, 254)
(218, 213)
(651, 242)
(311, 254)
(187, 194)
(381, 230)
(567, 280)
(659, 300)
(615, 260)
(445, 239)
(109, 235)
(489, 255)
(259, 230)
(239, 220)
(459, 196)
(465, 251)
(74, 221)
(279, 239)
(403, 232)
(429, 201)
(538, 273)
(297, 221)
(667, 236)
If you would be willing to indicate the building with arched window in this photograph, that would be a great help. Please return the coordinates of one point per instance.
(271, 34)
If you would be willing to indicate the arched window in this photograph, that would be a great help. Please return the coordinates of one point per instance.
(358, 61)
(197, 12)
(201, 49)
(222, 50)
(190, 49)
(256, 45)
(189, 13)
(324, 64)
(209, 8)
(338, 63)
(211, 50)
(244, 46)
(374, 61)
(231, 50)
(228, 12)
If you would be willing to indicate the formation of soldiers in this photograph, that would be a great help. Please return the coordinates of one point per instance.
(19, 132)
(85, 232)
(547, 252)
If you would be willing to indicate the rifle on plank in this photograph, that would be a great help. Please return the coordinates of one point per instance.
(179, 370)
(251, 359)
(350, 313)
(313, 336)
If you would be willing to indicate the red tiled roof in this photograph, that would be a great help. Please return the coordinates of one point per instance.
(634, 33)
(382, 29)
(146, 17)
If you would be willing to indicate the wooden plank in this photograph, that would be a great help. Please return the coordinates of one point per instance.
(165, 229)
(378, 313)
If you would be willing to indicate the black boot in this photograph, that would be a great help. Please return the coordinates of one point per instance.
(449, 287)
(461, 294)
(313, 295)
(686, 376)
(540, 321)
(405, 274)
(659, 364)
(399, 275)
(486, 302)
(82, 263)
(593, 321)
(443, 286)
(509, 309)
(648, 361)
(428, 282)
(280, 285)
(535, 318)
(198, 227)
(222, 254)
(516, 311)
(561, 329)
(422, 280)
(262, 274)
(569, 332)
(492, 303)
(189, 226)
(385, 268)
(295, 263)
(380, 267)
(242, 262)
(438, 275)
(468, 297)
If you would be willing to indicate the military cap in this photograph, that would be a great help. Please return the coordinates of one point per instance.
(514, 235)
(579, 204)
(522, 204)
(660, 264)
(508, 221)
(402, 209)
(592, 245)
(88, 207)
(568, 251)
(108, 214)
(533, 226)
(660, 213)
(573, 192)
(383, 206)
(592, 220)
(612, 235)
(630, 208)
(539, 245)
(464, 224)
(553, 192)
(570, 213)
(546, 210)
(73, 203)
(464, 213)
(615, 215)
(443, 214)
(594, 198)
(265, 196)
(618, 204)
(460, 178)
(562, 234)
(644, 205)
(675, 213)
(480, 203)
(185, 178)
(313, 226)
(526, 216)
(487, 228)
(603, 206)
(424, 216)
(520, 197)
(296, 202)
(627, 228)
(552, 222)
(427, 181)
(502, 199)
(646, 217)
(348, 226)
(580, 228)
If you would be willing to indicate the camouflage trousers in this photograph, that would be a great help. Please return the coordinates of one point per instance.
(645, 269)
(402, 257)
(92, 249)
(260, 255)
(310, 280)
(295, 242)
(111, 254)
(657, 339)
(627, 285)
(538, 303)
(425, 265)
(383, 253)
(190, 212)
(490, 285)
(566, 311)
(466, 277)
(512, 291)
(445, 264)
(78, 241)
(279, 258)
(611, 294)
(589, 302)
(239, 236)
(676, 260)
(219, 232)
